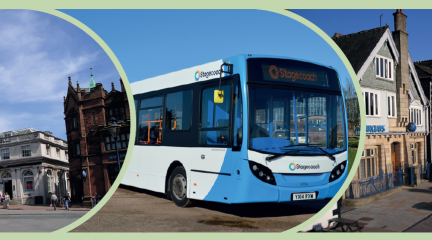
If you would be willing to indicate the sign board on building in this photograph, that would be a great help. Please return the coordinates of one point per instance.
(375, 128)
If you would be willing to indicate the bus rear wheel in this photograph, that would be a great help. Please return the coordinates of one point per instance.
(178, 187)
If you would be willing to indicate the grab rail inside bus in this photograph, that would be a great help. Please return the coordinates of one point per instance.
(159, 128)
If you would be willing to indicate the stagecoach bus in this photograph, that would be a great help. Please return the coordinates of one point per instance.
(249, 128)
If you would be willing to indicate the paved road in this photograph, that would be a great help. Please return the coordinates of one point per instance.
(409, 210)
(21, 218)
(136, 210)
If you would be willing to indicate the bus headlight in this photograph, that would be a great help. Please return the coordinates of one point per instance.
(262, 172)
(337, 171)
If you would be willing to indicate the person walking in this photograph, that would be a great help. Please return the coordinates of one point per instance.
(7, 199)
(66, 200)
(54, 200)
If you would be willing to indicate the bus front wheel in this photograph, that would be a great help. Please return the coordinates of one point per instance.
(178, 187)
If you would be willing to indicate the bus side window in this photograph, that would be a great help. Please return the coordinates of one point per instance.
(178, 110)
(214, 118)
(150, 121)
(238, 118)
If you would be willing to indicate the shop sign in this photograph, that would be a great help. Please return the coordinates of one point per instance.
(375, 128)
(121, 155)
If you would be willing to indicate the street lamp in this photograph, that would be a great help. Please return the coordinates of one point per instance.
(114, 129)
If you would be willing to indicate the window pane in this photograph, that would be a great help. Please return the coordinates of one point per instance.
(150, 126)
(388, 105)
(377, 66)
(362, 168)
(368, 168)
(151, 102)
(178, 110)
(371, 104)
(238, 116)
(376, 104)
(381, 67)
(393, 106)
(390, 70)
(367, 102)
(385, 64)
(217, 137)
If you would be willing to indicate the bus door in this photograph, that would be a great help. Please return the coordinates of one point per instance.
(212, 159)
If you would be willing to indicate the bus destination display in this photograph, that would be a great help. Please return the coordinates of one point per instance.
(298, 75)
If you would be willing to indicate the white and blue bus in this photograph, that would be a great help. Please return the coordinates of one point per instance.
(249, 128)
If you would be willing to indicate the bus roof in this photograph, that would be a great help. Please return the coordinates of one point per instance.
(190, 75)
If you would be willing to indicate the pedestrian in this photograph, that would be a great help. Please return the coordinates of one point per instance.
(66, 200)
(54, 200)
(95, 200)
(4, 201)
(7, 199)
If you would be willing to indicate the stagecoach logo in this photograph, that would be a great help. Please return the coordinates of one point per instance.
(199, 74)
(293, 166)
(275, 73)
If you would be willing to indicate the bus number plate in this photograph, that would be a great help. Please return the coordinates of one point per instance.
(304, 196)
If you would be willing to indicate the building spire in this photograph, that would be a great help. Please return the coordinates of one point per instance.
(92, 83)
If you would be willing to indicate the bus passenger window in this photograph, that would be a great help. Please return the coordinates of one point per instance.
(178, 110)
(214, 118)
(150, 121)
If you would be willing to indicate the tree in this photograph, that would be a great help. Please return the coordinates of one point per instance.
(352, 105)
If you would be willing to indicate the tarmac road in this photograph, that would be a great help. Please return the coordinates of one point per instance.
(136, 210)
(22, 218)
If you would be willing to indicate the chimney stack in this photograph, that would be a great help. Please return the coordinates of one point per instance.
(400, 36)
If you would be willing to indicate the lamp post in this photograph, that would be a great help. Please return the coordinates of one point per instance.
(114, 129)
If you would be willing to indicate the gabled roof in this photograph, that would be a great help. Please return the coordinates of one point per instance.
(361, 48)
(423, 71)
(417, 80)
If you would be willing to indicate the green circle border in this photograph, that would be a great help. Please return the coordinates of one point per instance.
(271, 7)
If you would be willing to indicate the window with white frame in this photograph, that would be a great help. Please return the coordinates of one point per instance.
(26, 152)
(368, 163)
(415, 116)
(372, 103)
(391, 106)
(5, 153)
(384, 67)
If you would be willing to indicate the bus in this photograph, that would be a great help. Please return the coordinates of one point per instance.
(241, 130)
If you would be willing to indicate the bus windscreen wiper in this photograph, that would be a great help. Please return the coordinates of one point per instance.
(276, 155)
(327, 154)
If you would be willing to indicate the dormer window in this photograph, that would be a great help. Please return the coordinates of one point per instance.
(384, 68)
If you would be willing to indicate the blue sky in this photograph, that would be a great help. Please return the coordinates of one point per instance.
(351, 21)
(38, 52)
(149, 43)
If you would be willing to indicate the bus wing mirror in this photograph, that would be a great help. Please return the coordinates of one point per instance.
(218, 96)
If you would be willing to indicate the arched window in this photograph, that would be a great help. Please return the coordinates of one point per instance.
(28, 181)
(6, 175)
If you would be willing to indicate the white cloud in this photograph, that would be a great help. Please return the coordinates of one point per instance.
(36, 56)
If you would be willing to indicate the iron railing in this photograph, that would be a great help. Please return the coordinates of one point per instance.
(373, 185)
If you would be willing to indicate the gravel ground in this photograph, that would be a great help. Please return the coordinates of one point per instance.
(135, 210)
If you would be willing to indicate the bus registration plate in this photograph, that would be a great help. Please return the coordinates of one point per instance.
(304, 196)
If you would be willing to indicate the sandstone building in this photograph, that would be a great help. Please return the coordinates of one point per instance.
(393, 97)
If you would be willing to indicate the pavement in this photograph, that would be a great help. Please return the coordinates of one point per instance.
(34, 218)
(136, 210)
(406, 211)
